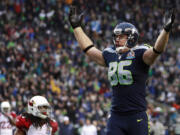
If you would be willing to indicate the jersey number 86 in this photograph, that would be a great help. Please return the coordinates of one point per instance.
(117, 73)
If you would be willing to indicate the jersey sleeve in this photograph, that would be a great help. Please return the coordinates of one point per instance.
(141, 49)
(22, 123)
(108, 53)
(54, 126)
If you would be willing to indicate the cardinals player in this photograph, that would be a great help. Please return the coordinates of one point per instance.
(36, 121)
(7, 119)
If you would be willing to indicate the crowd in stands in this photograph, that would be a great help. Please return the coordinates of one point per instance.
(40, 56)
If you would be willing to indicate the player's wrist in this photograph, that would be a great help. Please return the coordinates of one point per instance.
(75, 24)
(168, 28)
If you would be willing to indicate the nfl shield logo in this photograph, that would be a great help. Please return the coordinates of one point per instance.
(130, 55)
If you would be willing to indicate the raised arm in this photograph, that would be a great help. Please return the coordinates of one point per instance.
(11, 120)
(84, 41)
(151, 54)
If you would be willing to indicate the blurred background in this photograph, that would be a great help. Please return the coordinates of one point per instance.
(40, 56)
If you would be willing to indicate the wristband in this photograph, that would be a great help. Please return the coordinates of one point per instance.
(87, 48)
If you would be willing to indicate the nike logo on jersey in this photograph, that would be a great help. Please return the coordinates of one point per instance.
(139, 120)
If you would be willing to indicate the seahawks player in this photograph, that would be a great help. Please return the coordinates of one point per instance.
(128, 66)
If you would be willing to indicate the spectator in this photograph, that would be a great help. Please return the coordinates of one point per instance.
(157, 128)
(66, 128)
(88, 128)
(177, 127)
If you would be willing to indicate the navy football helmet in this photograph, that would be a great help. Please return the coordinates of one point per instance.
(129, 30)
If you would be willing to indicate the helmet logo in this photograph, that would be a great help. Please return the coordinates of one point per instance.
(31, 103)
(45, 113)
(128, 29)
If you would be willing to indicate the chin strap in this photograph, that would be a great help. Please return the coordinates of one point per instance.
(119, 49)
(122, 49)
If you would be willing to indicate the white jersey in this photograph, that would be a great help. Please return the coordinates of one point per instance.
(25, 125)
(5, 127)
(45, 130)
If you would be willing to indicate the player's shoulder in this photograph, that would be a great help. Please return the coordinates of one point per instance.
(142, 47)
(13, 114)
(110, 49)
(22, 121)
(54, 125)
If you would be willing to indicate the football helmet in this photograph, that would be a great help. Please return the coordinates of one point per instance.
(5, 107)
(36, 103)
(129, 30)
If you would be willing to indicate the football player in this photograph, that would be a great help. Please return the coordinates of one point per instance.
(37, 120)
(7, 119)
(128, 66)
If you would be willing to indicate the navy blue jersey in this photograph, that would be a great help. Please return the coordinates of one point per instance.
(127, 74)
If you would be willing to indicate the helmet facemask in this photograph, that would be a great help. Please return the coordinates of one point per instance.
(44, 111)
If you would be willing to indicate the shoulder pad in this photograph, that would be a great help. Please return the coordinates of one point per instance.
(141, 47)
(13, 114)
(22, 122)
(109, 49)
(148, 45)
(54, 125)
